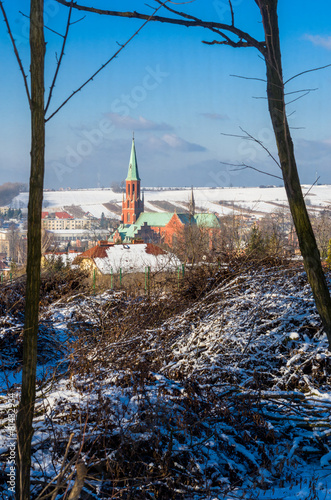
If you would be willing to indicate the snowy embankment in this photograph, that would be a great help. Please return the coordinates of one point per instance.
(256, 201)
(227, 398)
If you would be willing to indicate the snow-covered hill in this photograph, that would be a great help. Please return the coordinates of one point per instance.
(227, 397)
(256, 201)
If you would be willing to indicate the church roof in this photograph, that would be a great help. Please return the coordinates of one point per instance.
(206, 220)
(161, 219)
(154, 219)
(133, 174)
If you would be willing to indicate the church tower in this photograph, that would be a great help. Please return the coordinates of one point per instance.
(133, 204)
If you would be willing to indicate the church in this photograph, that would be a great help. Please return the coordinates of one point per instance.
(154, 227)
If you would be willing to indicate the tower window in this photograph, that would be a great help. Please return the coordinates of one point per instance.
(128, 217)
(132, 189)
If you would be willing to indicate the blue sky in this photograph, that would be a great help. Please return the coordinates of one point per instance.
(174, 92)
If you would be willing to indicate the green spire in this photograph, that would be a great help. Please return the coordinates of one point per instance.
(133, 174)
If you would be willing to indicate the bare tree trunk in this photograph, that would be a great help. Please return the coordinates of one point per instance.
(26, 406)
(277, 110)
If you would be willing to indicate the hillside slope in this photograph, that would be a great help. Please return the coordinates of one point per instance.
(211, 392)
(223, 201)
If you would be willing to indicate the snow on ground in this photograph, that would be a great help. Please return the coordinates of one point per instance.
(66, 258)
(229, 398)
(135, 258)
(97, 210)
(220, 200)
(149, 207)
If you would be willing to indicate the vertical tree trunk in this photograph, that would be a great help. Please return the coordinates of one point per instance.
(27, 401)
(276, 102)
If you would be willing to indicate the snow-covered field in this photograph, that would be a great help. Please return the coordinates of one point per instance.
(222, 201)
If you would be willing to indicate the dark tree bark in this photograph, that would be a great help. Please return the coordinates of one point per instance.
(270, 49)
(27, 401)
(36, 101)
(277, 110)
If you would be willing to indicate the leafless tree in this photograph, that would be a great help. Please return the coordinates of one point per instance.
(270, 51)
(322, 229)
(192, 243)
(39, 107)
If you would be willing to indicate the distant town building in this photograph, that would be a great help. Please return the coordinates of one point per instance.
(52, 221)
(4, 243)
(133, 204)
(108, 258)
(154, 227)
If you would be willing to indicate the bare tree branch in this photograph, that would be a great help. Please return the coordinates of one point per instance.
(228, 41)
(46, 27)
(243, 166)
(102, 66)
(60, 59)
(298, 91)
(297, 98)
(232, 13)
(185, 20)
(311, 187)
(16, 53)
(250, 78)
(78, 20)
(248, 136)
(307, 71)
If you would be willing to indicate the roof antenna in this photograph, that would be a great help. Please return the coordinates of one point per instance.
(133, 136)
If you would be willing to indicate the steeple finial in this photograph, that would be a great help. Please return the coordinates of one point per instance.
(133, 174)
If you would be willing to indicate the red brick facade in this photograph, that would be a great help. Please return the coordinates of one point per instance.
(132, 206)
(173, 228)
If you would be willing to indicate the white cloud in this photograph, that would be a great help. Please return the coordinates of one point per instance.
(174, 142)
(141, 123)
(321, 41)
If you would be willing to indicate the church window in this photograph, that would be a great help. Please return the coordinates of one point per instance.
(128, 217)
(132, 189)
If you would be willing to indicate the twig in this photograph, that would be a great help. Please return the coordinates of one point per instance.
(260, 143)
(16, 53)
(307, 71)
(59, 475)
(311, 187)
(103, 65)
(46, 27)
(244, 166)
(59, 60)
(250, 78)
(300, 97)
(232, 13)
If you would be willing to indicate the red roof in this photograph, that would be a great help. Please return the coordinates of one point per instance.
(44, 214)
(154, 249)
(97, 251)
(63, 215)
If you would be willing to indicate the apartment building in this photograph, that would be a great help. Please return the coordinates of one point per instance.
(53, 221)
